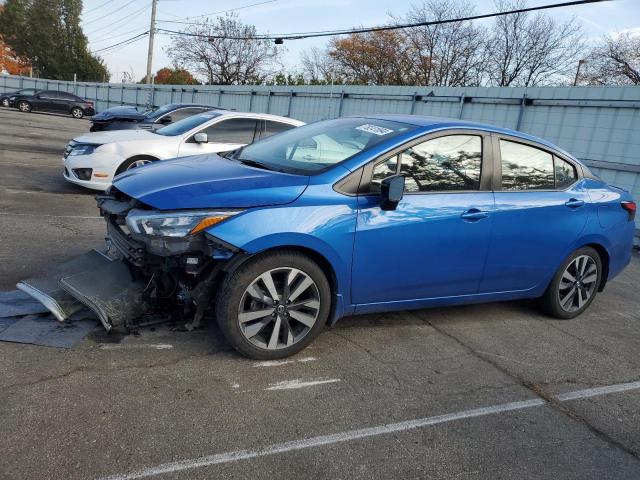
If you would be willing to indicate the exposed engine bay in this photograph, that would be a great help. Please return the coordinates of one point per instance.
(139, 279)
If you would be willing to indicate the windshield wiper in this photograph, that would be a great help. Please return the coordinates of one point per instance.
(253, 163)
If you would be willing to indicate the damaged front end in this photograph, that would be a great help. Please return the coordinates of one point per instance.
(158, 266)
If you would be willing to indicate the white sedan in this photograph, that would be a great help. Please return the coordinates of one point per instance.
(93, 159)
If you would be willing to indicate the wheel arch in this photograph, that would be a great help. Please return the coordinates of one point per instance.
(321, 259)
(605, 258)
(135, 157)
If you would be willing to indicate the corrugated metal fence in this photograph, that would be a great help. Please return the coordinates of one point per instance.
(599, 125)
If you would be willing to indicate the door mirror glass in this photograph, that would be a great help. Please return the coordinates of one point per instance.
(201, 137)
(391, 190)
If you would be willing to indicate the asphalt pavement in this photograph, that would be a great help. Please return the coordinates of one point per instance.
(496, 391)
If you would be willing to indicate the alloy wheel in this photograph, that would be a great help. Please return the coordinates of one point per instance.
(24, 107)
(578, 283)
(279, 308)
(77, 113)
(5, 102)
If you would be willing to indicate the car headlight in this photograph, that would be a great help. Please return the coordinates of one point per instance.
(83, 149)
(12, 98)
(175, 224)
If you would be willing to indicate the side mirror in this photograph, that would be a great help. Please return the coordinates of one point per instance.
(391, 191)
(166, 120)
(201, 137)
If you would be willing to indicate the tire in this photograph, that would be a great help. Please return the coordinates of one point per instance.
(5, 102)
(77, 112)
(24, 106)
(134, 162)
(574, 286)
(280, 333)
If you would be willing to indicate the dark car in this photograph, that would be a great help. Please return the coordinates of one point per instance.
(128, 117)
(55, 102)
(6, 98)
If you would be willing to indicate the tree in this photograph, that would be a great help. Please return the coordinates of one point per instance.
(48, 34)
(318, 68)
(175, 76)
(448, 54)
(224, 51)
(615, 61)
(11, 63)
(529, 50)
(374, 58)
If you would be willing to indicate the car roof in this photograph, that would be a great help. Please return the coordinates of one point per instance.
(263, 116)
(432, 123)
(182, 105)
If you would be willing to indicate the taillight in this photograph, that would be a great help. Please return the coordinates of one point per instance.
(631, 208)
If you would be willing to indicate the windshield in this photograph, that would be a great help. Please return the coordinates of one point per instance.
(318, 146)
(158, 112)
(186, 124)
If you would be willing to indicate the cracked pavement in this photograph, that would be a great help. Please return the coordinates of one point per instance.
(115, 404)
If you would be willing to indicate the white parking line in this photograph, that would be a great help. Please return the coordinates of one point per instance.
(216, 459)
(294, 384)
(133, 346)
(277, 363)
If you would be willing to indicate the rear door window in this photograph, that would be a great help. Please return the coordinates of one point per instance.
(525, 167)
(234, 130)
(566, 174)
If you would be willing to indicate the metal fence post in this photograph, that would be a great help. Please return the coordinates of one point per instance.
(462, 99)
(268, 101)
(289, 103)
(251, 100)
(342, 95)
(523, 102)
(413, 102)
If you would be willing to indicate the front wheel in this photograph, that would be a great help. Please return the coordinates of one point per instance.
(134, 162)
(77, 112)
(24, 106)
(5, 102)
(574, 285)
(274, 305)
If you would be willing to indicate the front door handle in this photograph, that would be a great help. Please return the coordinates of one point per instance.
(574, 203)
(474, 214)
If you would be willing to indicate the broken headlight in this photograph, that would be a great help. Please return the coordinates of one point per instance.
(175, 224)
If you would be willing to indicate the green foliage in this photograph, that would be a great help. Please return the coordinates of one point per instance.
(48, 33)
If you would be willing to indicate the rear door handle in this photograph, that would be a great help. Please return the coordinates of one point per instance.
(474, 214)
(574, 203)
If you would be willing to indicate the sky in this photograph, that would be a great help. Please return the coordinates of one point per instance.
(107, 22)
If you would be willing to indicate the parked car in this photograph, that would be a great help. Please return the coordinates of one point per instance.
(55, 102)
(412, 212)
(93, 159)
(7, 97)
(128, 117)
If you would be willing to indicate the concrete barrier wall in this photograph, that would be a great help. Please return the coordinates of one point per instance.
(599, 125)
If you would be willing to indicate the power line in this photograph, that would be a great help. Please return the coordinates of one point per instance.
(329, 33)
(84, 24)
(111, 37)
(127, 41)
(215, 13)
(125, 20)
(97, 8)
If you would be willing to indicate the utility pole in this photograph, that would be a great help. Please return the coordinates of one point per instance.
(152, 31)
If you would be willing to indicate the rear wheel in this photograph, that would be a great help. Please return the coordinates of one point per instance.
(77, 112)
(24, 106)
(274, 306)
(135, 162)
(574, 285)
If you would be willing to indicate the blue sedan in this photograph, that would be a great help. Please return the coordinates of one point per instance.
(369, 214)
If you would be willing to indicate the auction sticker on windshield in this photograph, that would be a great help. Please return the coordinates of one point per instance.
(374, 129)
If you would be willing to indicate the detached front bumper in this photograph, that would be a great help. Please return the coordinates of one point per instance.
(139, 276)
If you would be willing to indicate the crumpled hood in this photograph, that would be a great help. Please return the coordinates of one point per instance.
(124, 112)
(100, 138)
(209, 181)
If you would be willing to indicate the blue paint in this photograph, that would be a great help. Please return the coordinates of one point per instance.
(428, 251)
